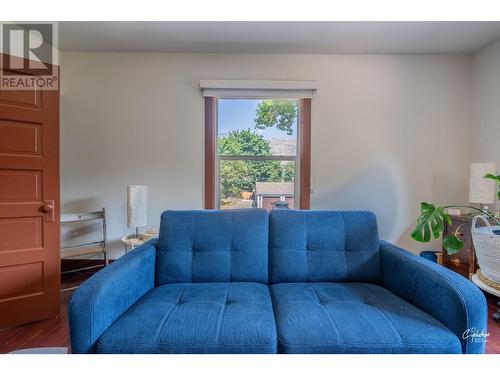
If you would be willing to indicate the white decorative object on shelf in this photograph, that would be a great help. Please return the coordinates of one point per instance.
(482, 190)
(137, 206)
(453, 211)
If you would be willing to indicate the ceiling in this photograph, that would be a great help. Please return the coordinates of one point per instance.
(279, 37)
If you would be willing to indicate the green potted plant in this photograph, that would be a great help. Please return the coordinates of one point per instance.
(432, 220)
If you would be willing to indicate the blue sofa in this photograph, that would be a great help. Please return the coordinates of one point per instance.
(245, 281)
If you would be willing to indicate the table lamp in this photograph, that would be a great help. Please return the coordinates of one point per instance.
(482, 190)
(137, 207)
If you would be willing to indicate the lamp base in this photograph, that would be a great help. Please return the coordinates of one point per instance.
(145, 236)
(135, 235)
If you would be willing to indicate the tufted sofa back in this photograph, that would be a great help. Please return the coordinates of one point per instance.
(213, 246)
(324, 246)
(242, 245)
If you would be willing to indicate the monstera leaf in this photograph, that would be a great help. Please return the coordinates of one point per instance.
(496, 178)
(452, 244)
(430, 224)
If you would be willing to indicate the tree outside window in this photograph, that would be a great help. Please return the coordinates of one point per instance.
(256, 148)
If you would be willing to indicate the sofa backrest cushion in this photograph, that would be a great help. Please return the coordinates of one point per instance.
(213, 246)
(324, 246)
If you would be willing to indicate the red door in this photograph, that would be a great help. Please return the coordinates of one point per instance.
(29, 206)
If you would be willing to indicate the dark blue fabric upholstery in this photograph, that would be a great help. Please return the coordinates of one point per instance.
(211, 246)
(201, 288)
(447, 296)
(323, 246)
(354, 318)
(196, 318)
(103, 298)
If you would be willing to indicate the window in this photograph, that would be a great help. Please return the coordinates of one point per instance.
(256, 153)
(257, 143)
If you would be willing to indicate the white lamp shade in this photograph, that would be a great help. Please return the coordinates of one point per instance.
(482, 190)
(137, 205)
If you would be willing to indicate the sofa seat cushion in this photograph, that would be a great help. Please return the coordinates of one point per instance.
(196, 318)
(354, 318)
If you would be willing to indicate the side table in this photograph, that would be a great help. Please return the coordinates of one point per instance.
(130, 242)
(464, 262)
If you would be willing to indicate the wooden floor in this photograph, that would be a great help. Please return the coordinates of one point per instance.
(493, 344)
(55, 332)
(50, 332)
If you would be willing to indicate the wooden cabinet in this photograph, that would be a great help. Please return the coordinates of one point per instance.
(464, 262)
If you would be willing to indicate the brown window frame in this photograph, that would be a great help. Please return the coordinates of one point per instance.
(304, 152)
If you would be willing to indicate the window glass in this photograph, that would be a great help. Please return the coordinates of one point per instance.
(272, 122)
(257, 150)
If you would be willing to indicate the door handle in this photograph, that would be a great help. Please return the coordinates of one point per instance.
(48, 209)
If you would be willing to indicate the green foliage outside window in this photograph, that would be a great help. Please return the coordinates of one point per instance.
(241, 175)
(280, 113)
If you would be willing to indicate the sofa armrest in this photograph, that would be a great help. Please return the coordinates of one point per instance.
(443, 294)
(104, 297)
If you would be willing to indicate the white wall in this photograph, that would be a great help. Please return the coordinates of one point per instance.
(387, 131)
(485, 134)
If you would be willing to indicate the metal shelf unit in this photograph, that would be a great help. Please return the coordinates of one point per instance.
(86, 248)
